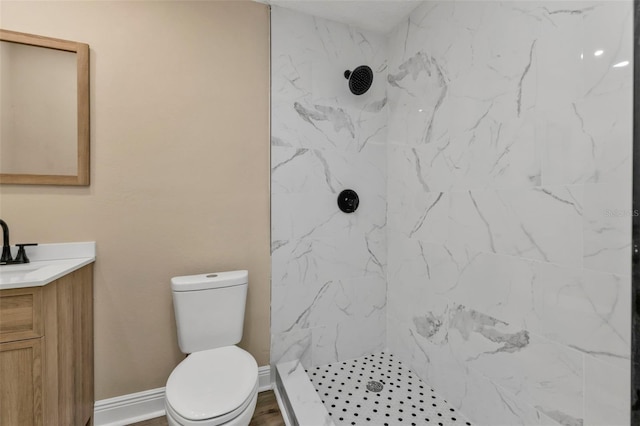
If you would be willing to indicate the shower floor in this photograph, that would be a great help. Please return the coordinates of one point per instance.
(377, 390)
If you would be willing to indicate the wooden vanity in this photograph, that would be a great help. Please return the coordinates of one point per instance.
(46, 352)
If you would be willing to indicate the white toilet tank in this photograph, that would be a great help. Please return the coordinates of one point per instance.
(209, 309)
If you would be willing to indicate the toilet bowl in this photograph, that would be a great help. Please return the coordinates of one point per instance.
(217, 384)
(213, 387)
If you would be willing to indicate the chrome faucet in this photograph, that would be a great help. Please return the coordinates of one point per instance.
(6, 247)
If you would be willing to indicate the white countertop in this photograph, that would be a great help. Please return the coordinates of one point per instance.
(48, 263)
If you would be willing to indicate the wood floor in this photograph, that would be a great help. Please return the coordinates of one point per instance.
(267, 413)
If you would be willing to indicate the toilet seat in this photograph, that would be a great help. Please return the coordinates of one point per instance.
(212, 386)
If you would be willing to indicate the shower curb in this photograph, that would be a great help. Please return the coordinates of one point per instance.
(304, 407)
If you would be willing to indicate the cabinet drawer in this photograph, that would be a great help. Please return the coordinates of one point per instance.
(20, 314)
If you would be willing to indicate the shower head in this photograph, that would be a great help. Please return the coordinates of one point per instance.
(360, 79)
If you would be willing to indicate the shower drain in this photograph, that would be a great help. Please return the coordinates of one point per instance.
(374, 386)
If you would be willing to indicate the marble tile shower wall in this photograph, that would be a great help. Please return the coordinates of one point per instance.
(328, 268)
(509, 197)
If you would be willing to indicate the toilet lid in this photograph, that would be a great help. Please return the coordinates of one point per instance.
(212, 383)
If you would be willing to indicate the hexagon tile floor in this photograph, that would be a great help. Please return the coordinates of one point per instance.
(377, 390)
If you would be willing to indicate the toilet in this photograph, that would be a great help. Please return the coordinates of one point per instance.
(217, 384)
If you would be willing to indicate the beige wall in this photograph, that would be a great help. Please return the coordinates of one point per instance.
(179, 169)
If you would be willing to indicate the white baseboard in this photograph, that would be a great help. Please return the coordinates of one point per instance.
(136, 407)
(264, 378)
(126, 409)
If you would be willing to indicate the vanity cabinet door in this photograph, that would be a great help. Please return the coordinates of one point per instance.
(21, 382)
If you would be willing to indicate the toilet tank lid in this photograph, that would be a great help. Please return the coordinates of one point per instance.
(209, 281)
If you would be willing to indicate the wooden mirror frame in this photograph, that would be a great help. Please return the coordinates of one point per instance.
(82, 54)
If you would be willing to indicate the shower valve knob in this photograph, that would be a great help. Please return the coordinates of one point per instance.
(348, 201)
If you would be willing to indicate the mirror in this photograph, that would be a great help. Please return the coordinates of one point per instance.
(44, 110)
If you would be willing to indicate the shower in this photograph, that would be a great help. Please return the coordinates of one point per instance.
(449, 296)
